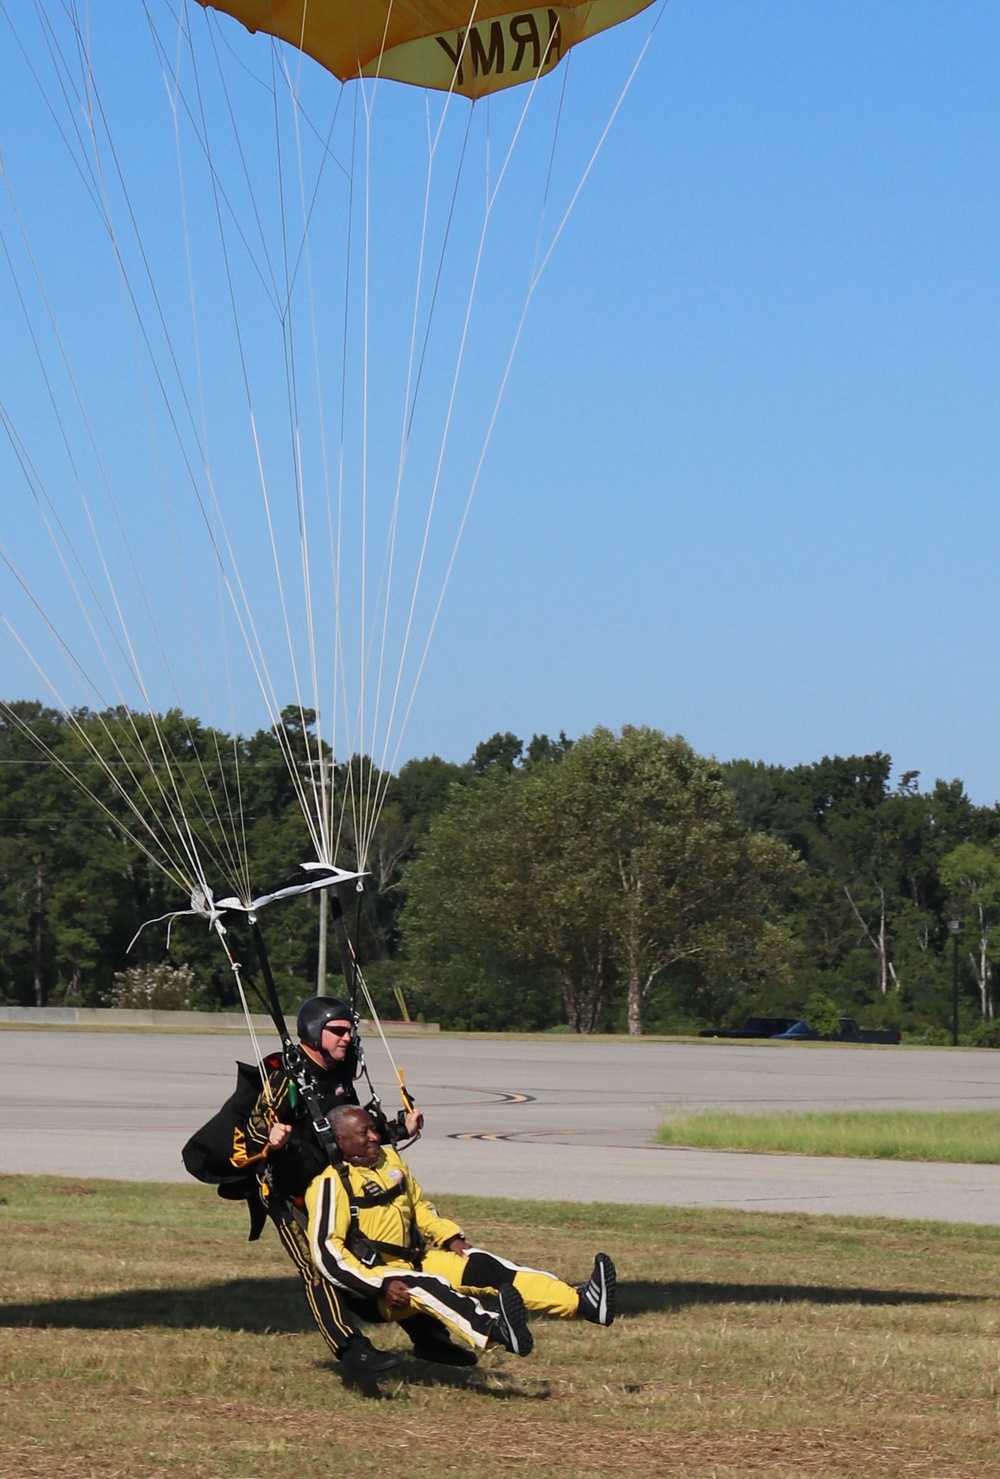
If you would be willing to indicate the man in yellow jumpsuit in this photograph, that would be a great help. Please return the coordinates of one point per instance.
(373, 1232)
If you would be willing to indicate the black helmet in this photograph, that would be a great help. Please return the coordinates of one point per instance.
(315, 1013)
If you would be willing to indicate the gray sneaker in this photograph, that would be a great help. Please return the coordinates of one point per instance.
(511, 1327)
(597, 1296)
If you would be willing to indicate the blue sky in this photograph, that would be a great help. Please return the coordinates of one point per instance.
(743, 481)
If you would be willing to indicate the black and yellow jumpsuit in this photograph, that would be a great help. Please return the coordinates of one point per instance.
(286, 1174)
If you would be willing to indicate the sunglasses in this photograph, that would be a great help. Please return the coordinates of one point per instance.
(339, 1029)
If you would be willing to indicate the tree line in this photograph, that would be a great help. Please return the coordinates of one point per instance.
(616, 882)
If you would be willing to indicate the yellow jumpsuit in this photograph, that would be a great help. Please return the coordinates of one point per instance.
(440, 1282)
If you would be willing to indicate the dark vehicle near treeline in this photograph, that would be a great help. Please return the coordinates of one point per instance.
(849, 1032)
(752, 1027)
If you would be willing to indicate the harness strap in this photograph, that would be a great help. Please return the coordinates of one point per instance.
(380, 1198)
(413, 1256)
(367, 1249)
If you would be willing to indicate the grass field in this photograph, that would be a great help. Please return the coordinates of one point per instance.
(142, 1336)
(970, 1137)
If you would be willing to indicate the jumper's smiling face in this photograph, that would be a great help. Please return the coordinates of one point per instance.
(357, 1137)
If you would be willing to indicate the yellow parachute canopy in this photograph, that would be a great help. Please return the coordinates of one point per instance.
(454, 45)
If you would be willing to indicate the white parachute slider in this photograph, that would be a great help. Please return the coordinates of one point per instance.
(305, 878)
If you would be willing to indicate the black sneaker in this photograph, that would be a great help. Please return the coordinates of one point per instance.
(443, 1352)
(511, 1327)
(361, 1358)
(597, 1296)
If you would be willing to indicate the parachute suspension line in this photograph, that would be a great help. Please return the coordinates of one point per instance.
(440, 267)
(388, 764)
(37, 486)
(349, 797)
(600, 144)
(491, 198)
(536, 276)
(316, 762)
(47, 512)
(130, 298)
(237, 969)
(243, 609)
(234, 835)
(267, 279)
(321, 797)
(361, 790)
(294, 434)
(320, 808)
(363, 572)
(271, 697)
(567, 63)
(99, 197)
(370, 794)
(156, 858)
(374, 790)
(256, 655)
(213, 524)
(411, 392)
(57, 58)
(258, 1052)
(354, 979)
(183, 834)
(330, 833)
(281, 309)
(413, 383)
(99, 758)
(374, 1017)
(340, 694)
(302, 787)
(171, 799)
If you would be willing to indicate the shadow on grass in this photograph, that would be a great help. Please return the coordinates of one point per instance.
(276, 1306)
(501, 1383)
(641, 1297)
(254, 1305)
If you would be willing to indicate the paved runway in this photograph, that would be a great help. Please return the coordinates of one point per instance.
(544, 1119)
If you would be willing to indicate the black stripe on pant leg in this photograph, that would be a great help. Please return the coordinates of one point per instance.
(463, 1307)
(333, 1324)
(484, 1271)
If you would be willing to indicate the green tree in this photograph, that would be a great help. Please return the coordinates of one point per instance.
(501, 752)
(971, 874)
(822, 1015)
(650, 829)
(868, 916)
(471, 921)
(618, 867)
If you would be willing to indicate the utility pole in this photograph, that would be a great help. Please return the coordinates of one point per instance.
(39, 984)
(954, 929)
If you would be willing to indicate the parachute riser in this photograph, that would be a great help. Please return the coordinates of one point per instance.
(352, 976)
(348, 960)
(349, 966)
(293, 1059)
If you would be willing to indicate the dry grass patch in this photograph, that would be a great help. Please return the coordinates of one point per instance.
(141, 1336)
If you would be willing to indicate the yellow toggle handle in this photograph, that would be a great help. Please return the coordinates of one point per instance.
(404, 1092)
